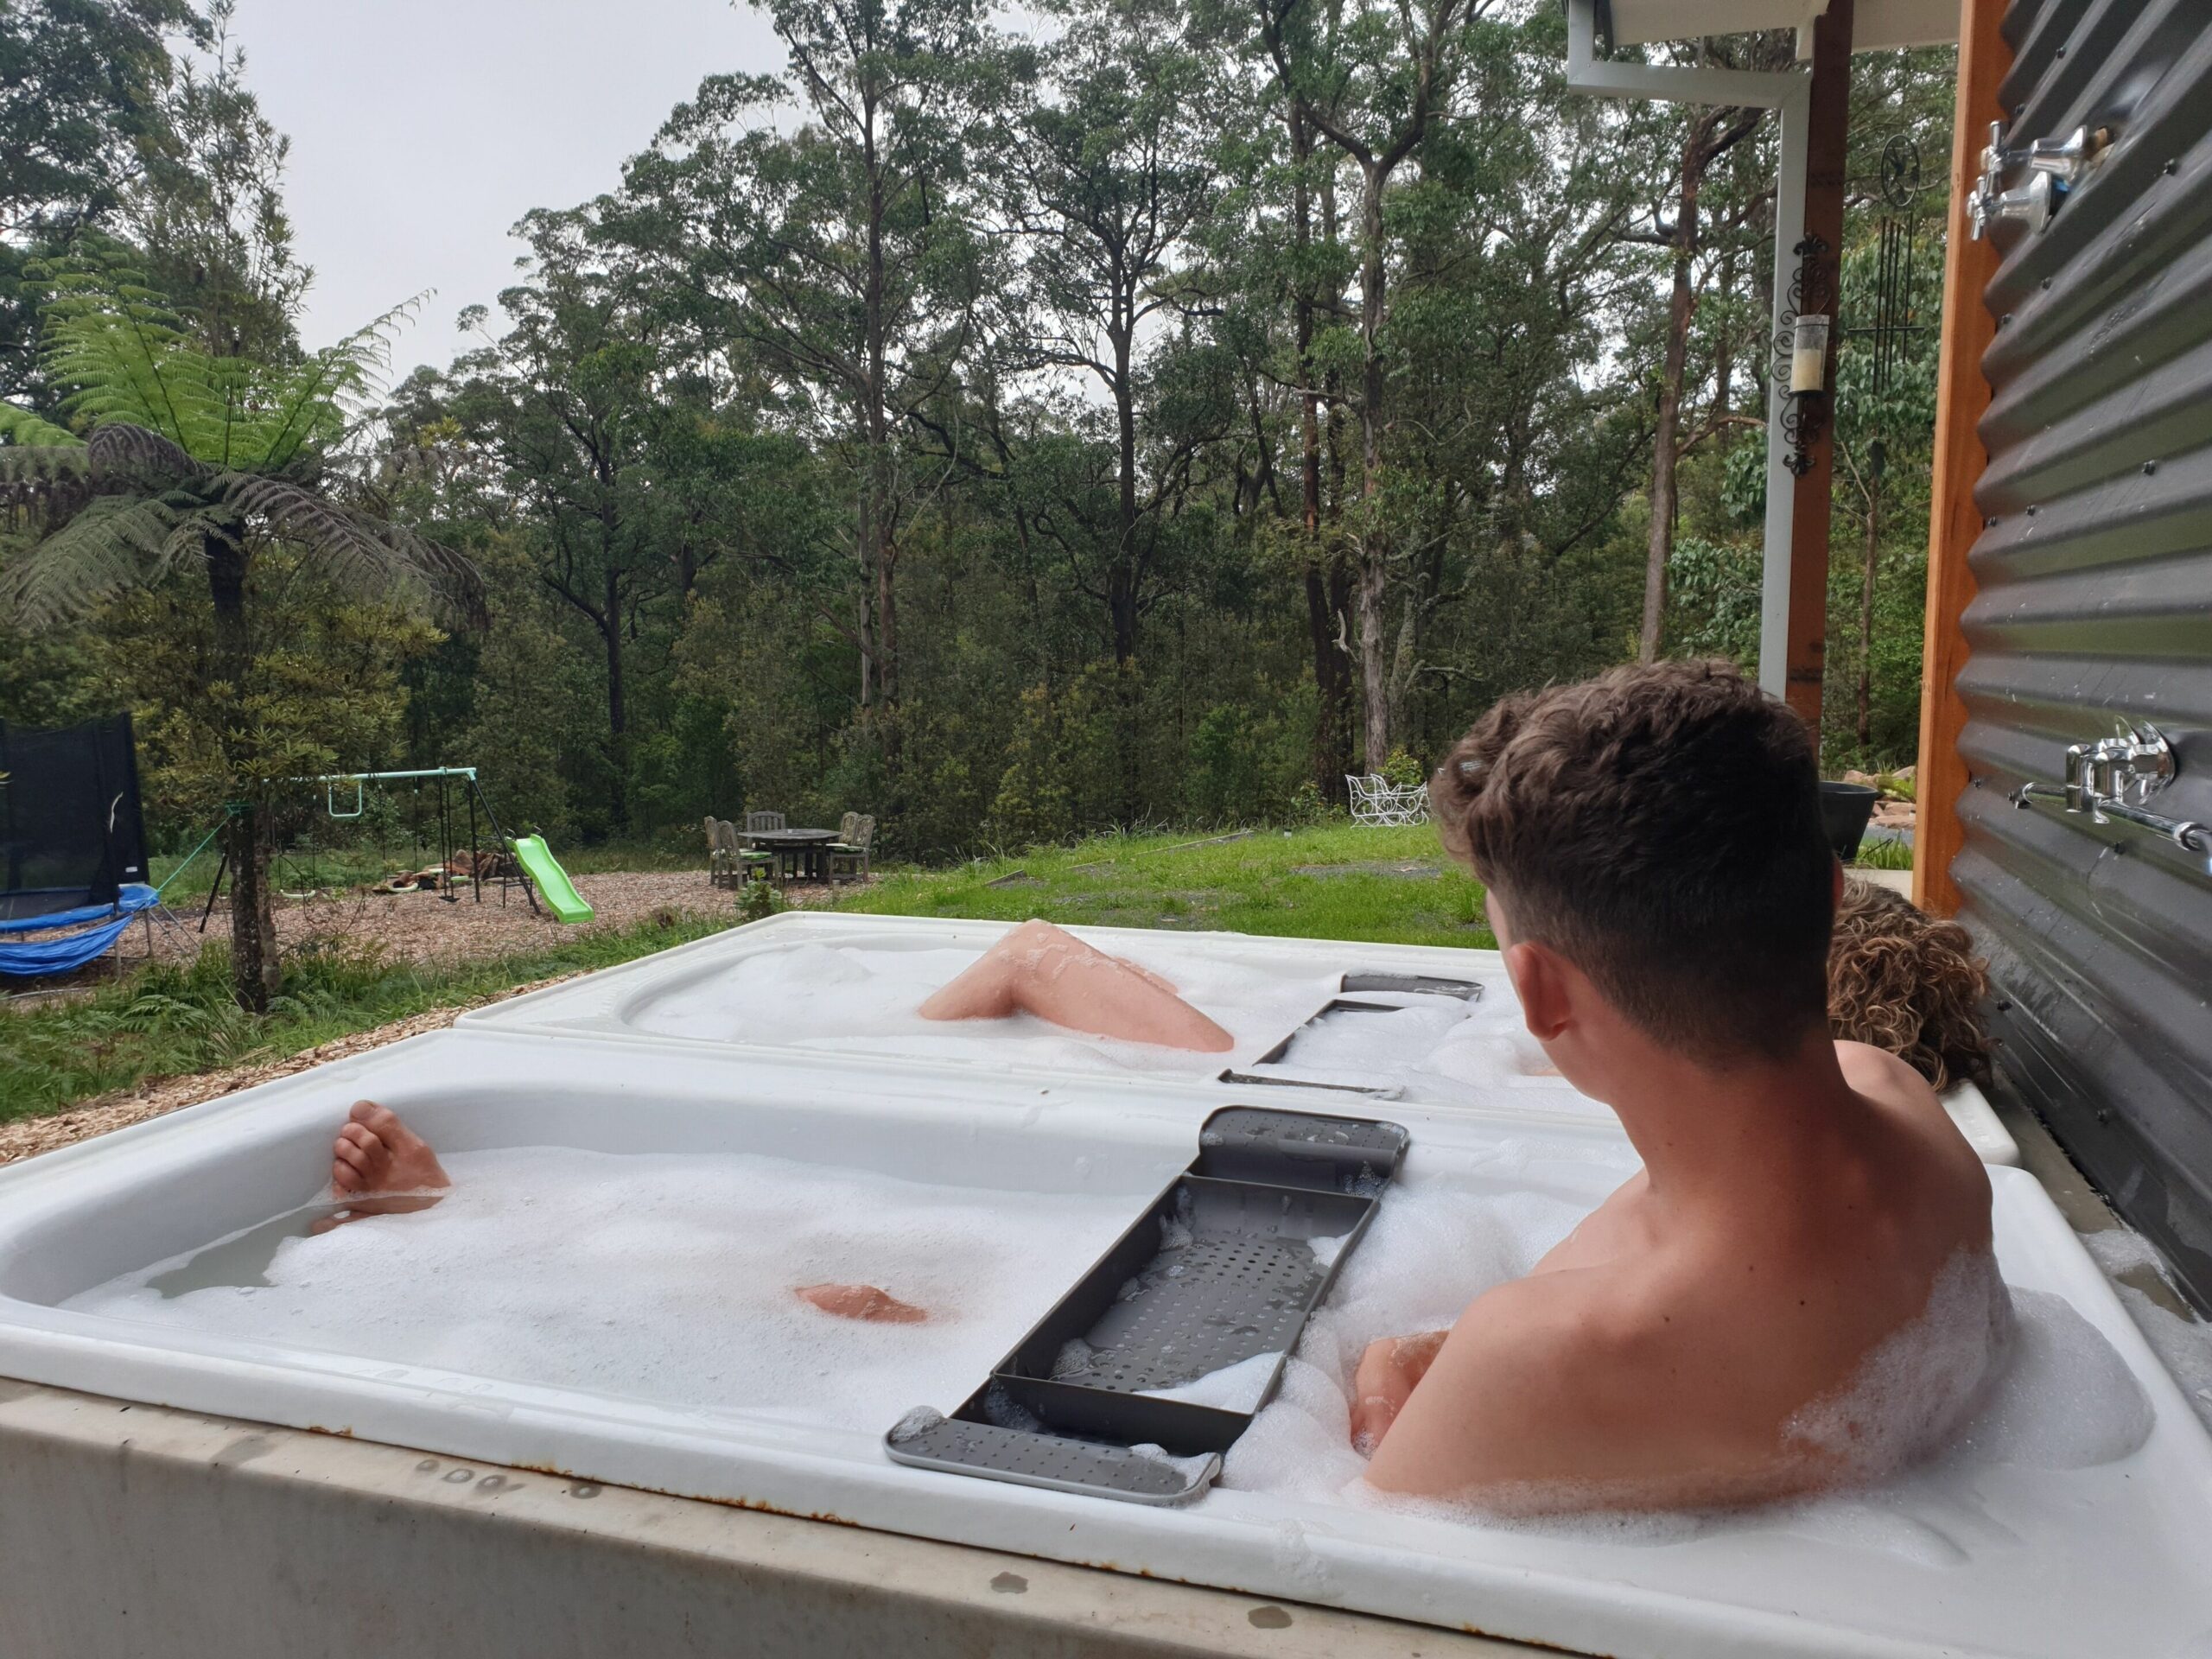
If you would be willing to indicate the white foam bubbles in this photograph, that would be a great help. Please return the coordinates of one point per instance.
(2064, 1400)
(668, 1279)
(1238, 1387)
(1912, 1392)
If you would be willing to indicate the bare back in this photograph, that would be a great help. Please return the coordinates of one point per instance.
(1673, 1353)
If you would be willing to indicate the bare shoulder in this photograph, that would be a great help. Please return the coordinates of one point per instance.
(1530, 1384)
(1887, 1081)
(1877, 1071)
(1884, 1079)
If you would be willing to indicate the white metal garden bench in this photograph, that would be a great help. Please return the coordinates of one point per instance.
(1375, 800)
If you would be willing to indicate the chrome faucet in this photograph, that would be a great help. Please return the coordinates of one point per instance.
(2113, 776)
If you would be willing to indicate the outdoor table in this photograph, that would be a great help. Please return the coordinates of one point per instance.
(806, 850)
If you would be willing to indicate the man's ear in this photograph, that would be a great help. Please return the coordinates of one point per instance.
(1540, 979)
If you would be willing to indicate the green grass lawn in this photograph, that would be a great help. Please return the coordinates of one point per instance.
(1334, 882)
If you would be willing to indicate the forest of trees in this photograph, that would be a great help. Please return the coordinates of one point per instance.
(1150, 417)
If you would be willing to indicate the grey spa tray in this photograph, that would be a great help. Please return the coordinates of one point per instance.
(1342, 1007)
(1162, 1354)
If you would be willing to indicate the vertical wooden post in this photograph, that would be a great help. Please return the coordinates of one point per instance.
(1827, 157)
(1954, 521)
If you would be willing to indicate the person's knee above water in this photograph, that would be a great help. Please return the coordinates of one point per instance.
(1047, 971)
(1797, 1290)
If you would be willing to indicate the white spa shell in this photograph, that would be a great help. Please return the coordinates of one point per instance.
(2040, 1563)
(695, 993)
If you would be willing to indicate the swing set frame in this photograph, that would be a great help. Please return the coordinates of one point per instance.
(444, 776)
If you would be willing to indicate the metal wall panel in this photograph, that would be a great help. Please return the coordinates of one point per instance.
(2095, 601)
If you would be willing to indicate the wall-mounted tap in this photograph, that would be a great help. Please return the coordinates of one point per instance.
(2068, 158)
(2055, 165)
(2113, 776)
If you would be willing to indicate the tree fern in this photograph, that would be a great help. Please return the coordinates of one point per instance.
(192, 458)
(185, 445)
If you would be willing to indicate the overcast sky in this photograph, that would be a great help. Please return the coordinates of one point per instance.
(423, 130)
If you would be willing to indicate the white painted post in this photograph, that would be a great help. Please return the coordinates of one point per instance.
(1787, 93)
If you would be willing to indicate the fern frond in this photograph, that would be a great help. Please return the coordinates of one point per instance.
(114, 543)
(123, 453)
(312, 403)
(359, 553)
(23, 429)
(39, 462)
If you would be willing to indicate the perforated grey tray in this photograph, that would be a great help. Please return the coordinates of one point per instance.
(1466, 990)
(1222, 1270)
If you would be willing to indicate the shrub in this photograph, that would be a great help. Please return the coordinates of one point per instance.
(1402, 771)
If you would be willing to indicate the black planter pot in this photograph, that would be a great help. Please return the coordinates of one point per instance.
(1845, 810)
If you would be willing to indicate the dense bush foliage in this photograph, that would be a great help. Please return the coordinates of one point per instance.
(1014, 438)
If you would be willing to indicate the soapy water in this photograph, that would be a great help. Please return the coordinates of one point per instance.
(1239, 1387)
(660, 1278)
(2060, 1398)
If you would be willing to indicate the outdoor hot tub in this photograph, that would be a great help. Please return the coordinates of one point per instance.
(530, 1320)
(1313, 1019)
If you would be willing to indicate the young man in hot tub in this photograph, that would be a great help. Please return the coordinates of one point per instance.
(1797, 1290)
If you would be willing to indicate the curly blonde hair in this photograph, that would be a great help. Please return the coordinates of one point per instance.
(1902, 981)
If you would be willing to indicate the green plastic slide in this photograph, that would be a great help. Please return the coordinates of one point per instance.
(554, 886)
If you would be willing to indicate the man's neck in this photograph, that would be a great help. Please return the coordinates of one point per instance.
(1710, 1135)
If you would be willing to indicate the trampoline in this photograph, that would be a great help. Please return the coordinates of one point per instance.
(72, 844)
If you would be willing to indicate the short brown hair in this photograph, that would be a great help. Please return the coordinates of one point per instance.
(1903, 980)
(1660, 827)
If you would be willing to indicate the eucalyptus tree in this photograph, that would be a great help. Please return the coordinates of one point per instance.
(82, 99)
(196, 463)
(837, 256)
(570, 400)
(207, 210)
(1106, 168)
(1370, 77)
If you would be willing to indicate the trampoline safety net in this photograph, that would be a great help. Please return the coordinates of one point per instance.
(71, 830)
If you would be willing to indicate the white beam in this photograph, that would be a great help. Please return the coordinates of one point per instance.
(1787, 94)
(1876, 25)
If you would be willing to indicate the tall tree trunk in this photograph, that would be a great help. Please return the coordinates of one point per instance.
(1327, 581)
(618, 709)
(1121, 578)
(1666, 443)
(882, 551)
(1872, 555)
(1373, 543)
(253, 924)
(864, 548)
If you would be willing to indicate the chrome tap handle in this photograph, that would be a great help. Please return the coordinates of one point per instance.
(2067, 159)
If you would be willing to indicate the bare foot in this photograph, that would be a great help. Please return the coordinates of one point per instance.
(376, 1153)
(861, 1302)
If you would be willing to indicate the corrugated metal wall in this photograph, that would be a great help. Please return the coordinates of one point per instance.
(2096, 601)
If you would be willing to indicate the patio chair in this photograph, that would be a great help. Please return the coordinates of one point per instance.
(763, 821)
(717, 861)
(736, 863)
(848, 853)
(1382, 805)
